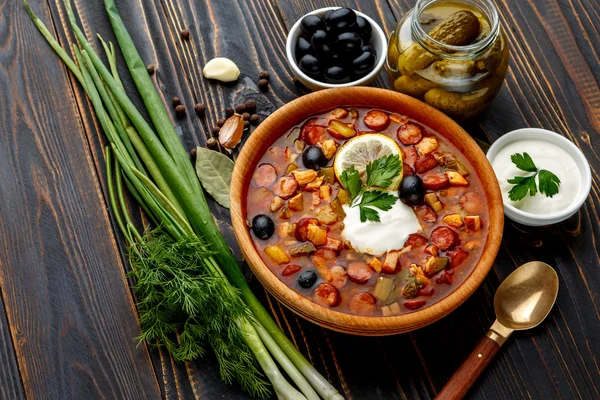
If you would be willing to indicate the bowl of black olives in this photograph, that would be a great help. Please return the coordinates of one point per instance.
(336, 47)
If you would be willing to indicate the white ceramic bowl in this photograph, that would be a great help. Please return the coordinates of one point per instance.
(378, 41)
(530, 219)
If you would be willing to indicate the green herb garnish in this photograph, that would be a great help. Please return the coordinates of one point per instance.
(549, 182)
(380, 174)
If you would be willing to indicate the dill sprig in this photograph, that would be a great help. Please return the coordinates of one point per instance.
(178, 292)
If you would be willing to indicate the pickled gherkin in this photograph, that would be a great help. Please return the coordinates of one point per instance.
(454, 56)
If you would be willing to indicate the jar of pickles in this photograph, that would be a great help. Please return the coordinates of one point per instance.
(452, 54)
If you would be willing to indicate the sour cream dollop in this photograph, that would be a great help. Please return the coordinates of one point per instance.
(547, 156)
(377, 238)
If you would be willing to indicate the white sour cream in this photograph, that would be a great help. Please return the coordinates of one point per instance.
(377, 238)
(547, 156)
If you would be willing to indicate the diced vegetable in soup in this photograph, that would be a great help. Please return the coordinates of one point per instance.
(369, 167)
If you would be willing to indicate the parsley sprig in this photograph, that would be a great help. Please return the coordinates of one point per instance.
(368, 197)
(548, 182)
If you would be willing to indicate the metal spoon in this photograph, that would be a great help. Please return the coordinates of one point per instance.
(521, 302)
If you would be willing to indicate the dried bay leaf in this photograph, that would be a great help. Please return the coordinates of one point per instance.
(214, 172)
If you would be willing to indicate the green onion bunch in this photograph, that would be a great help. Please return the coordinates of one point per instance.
(191, 293)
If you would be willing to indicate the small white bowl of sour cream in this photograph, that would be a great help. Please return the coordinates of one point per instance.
(549, 151)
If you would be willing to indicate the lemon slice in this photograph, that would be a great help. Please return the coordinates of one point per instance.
(361, 150)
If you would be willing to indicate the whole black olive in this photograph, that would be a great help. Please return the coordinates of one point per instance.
(368, 47)
(311, 66)
(313, 158)
(363, 28)
(312, 23)
(321, 43)
(263, 226)
(336, 75)
(341, 19)
(411, 190)
(307, 278)
(303, 47)
(363, 64)
(326, 15)
(349, 44)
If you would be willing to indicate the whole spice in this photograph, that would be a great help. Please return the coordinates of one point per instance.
(221, 122)
(263, 84)
(254, 119)
(246, 124)
(229, 112)
(211, 142)
(250, 105)
(240, 108)
(215, 130)
(246, 116)
(185, 34)
(193, 153)
(231, 132)
(180, 111)
(200, 109)
(151, 69)
(176, 101)
(264, 75)
(221, 69)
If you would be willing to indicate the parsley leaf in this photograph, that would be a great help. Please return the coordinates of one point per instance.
(375, 199)
(524, 185)
(350, 179)
(523, 162)
(381, 171)
(549, 182)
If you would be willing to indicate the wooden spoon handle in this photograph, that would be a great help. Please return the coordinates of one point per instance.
(469, 371)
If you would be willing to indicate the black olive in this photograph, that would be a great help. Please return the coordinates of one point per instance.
(311, 66)
(411, 190)
(341, 19)
(313, 158)
(349, 44)
(336, 75)
(363, 64)
(307, 278)
(321, 43)
(326, 15)
(263, 226)
(303, 47)
(368, 47)
(312, 23)
(363, 28)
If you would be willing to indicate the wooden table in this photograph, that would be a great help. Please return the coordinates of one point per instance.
(67, 315)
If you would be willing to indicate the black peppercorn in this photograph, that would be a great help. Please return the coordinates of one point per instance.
(264, 75)
(193, 153)
(254, 119)
(229, 112)
(221, 122)
(185, 34)
(246, 116)
(240, 108)
(176, 101)
(246, 124)
(211, 142)
(200, 109)
(250, 105)
(215, 130)
(151, 68)
(263, 84)
(180, 111)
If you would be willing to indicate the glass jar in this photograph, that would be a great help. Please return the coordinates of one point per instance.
(452, 54)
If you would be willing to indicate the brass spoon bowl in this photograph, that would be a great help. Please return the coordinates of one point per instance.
(521, 302)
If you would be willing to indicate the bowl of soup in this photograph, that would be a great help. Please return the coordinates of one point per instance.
(366, 211)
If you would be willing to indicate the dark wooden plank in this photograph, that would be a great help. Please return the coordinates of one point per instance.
(10, 379)
(69, 309)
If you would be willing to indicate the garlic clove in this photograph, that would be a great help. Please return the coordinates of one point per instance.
(231, 132)
(222, 69)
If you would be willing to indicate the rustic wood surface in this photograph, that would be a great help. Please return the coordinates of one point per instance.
(67, 315)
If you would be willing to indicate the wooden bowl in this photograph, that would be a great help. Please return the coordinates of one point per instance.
(316, 103)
